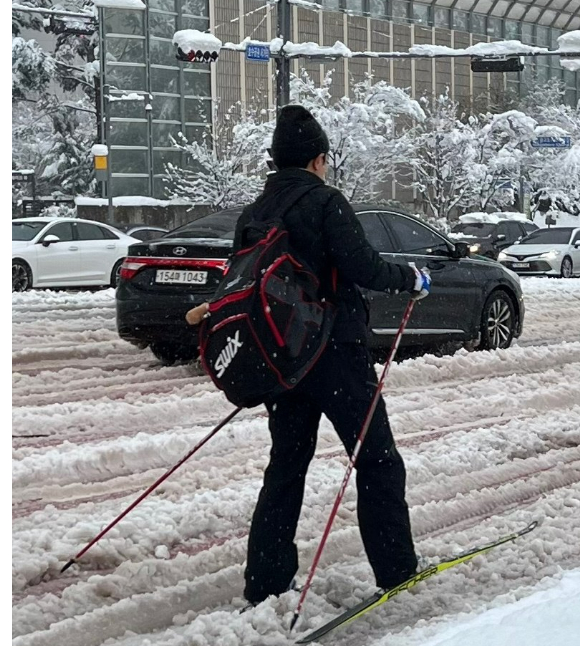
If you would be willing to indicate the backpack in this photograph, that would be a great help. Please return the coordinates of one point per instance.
(268, 325)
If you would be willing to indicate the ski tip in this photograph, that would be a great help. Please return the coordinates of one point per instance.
(533, 525)
(66, 567)
(294, 620)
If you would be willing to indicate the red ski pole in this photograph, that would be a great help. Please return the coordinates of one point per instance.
(151, 488)
(353, 459)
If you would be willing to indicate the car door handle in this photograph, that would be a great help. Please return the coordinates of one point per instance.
(111, 246)
(73, 248)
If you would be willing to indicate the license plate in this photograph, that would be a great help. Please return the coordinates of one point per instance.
(521, 265)
(181, 277)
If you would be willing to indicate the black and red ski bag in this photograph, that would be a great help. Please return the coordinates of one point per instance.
(267, 324)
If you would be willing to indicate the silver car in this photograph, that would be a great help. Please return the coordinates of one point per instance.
(549, 252)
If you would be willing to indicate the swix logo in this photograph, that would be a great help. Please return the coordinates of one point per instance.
(226, 356)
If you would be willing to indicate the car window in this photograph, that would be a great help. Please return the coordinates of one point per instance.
(414, 237)
(107, 234)
(87, 231)
(216, 225)
(576, 237)
(147, 234)
(475, 229)
(554, 235)
(63, 230)
(26, 230)
(375, 231)
(511, 230)
(528, 227)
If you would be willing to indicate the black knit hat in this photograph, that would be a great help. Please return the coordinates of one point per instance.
(298, 138)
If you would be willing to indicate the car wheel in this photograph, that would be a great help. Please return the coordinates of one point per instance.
(567, 269)
(169, 352)
(498, 322)
(21, 276)
(116, 273)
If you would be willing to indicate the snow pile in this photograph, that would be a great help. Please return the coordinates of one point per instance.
(120, 4)
(126, 200)
(570, 42)
(192, 40)
(492, 218)
(99, 150)
(500, 48)
(310, 49)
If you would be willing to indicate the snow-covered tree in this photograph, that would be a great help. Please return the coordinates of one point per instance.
(224, 169)
(364, 148)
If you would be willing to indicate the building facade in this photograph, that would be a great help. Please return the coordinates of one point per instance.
(138, 57)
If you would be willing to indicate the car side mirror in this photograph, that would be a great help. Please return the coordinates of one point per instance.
(460, 250)
(577, 244)
(500, 236)
(49, 239)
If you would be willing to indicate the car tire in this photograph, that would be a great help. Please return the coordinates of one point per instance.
(21, 276)
(498, 322)
(169, 352)
(115, 273)
(567, 268)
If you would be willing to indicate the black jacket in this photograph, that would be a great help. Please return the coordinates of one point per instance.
(325, 233)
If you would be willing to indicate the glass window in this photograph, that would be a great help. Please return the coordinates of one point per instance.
(197, 133)
(512, 30)
(528, 227)
(378, 8)
(63, 230)
(163, 52)
(162, 157)
(26, 230)
(355, 6)
(556, 33)
(421, 13)
(442, 17)
(460, 20)
(494, 26)
(163, 5)
(146, 234)
(576, 238)
(478, 25)
(197, 110)
(130, 186)
(166, 108)
(400, 10)
(124, 77)
(195, 7)
(413, 237)
(129, 133)
(87, 231)
(189, 22)
(122, 21)
(542, 36)
(108, 235)
(128, 161)
(375, 231)
(162, 24)
(125, 50)
(128, 109)
(163, 131)
(196, 83)
(165, 80)
(510, 230)
(527, 33)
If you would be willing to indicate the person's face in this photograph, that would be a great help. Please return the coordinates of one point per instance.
(319, 165)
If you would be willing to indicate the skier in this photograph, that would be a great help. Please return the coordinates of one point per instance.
(326, 234)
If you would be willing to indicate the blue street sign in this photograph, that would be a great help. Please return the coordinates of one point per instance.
(257, 53)
(552, 142)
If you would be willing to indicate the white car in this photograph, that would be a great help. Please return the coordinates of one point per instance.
(551, 252)
(65, 252)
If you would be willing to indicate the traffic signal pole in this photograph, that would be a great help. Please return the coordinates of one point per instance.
(283, 62)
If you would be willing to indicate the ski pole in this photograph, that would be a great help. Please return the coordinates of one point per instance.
(353, 458)
(151, 488)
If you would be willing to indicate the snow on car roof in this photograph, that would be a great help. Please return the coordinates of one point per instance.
(492, 218)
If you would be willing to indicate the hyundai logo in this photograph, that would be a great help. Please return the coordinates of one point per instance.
(179, 251)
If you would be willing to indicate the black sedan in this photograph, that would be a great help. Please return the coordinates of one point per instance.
(474, 300)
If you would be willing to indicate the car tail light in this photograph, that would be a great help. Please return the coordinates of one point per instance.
(132, 265)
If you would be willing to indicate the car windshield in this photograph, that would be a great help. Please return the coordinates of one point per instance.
(477, 229)
(26, 230)
(216, 225)
(556, 235)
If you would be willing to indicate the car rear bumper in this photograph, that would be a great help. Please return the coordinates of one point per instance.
(142, 319)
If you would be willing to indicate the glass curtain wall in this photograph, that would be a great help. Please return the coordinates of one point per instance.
(140, 59)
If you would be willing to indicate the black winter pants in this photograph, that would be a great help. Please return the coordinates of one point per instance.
(341, 386)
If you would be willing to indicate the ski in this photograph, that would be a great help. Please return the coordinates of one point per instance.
(382, 596)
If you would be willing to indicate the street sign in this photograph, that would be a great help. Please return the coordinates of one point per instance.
(22, 176)
(257, 53)
(552, 142)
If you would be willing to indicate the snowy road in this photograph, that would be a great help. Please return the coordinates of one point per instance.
(491, 441)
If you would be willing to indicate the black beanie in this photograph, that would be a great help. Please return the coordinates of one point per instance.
(298, 138)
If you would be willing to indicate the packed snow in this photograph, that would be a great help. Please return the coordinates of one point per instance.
(120, 4)
(491, 441)
(189, 40)
(100, 150)
(492, 218)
